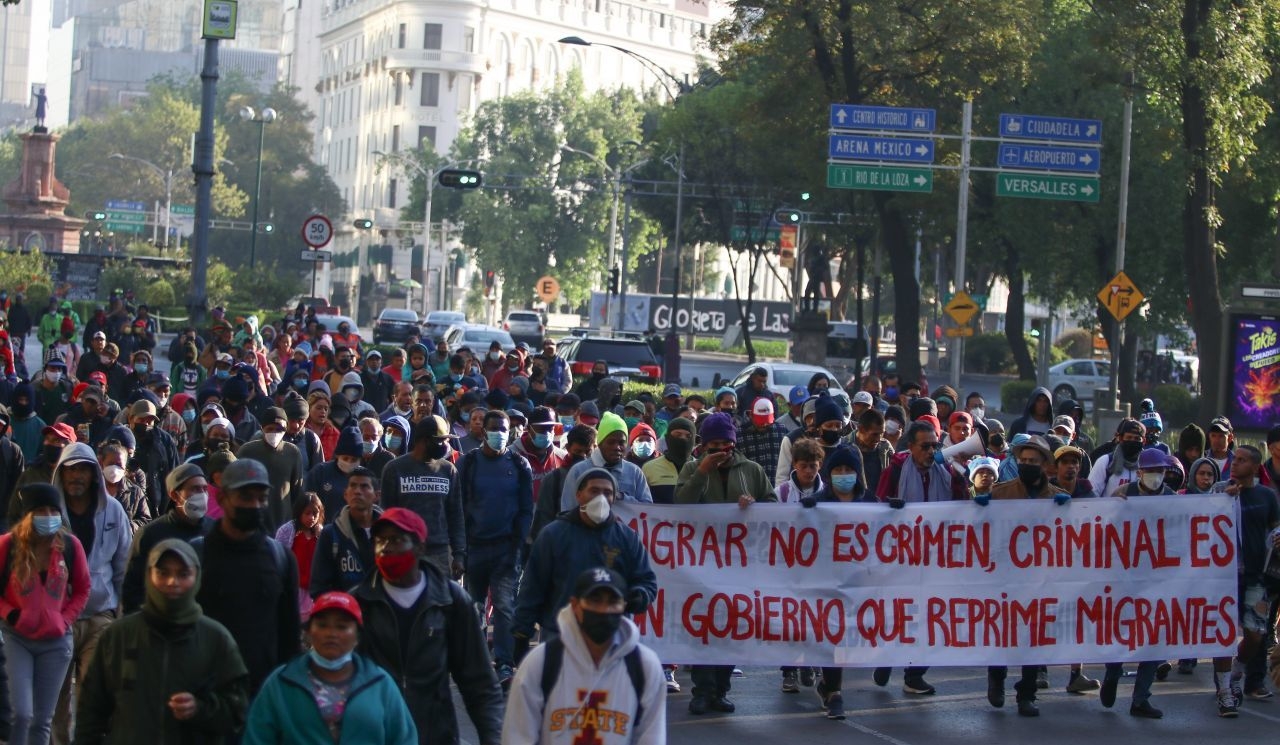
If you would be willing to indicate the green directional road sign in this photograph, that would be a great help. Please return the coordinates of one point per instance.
(879, 178)
(119, 221)
(1067, 188)
(184, 209)
(742, 232)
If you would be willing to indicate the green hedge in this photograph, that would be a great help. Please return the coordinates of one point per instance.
(1014, 395)
(1177, 407)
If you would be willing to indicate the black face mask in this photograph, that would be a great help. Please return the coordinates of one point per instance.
(597, 376)
(22, 411)
(437, 450)
(51, 453)
(1030, 475)
(1130, 450)
(249, 519)
(234, 407)
(678, 450)
(600, 627)
(830, 436)
(142, 432)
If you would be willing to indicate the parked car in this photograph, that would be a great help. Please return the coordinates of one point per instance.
(628, 359)
(478, 337)
(525, 326)
(330, 323)
(396, 324)
(1078, 378)
(439, 321)
(783, 376)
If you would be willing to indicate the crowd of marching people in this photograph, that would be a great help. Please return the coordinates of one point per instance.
(270, 543)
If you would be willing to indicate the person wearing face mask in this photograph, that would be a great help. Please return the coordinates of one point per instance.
(329, 479)
(353, 391)
(330, 694)
(538, 447)
(235, 400)
(156, 453)
(577, 540)
(112, 457)
(283, 462)
(663, 472)
(761, 440)
(642, 445)
(133, 686)
(808, 428)
(373, 455)
(597, 649)
(496, 486)
(168, 411)
(423, 629)
(721, 475)
(250, 582)
(141, 368)
(828, 428)
(1117, 469)
(610, 454)
(53, 391)
(401, 402)
(511, 369)
(395, 436)
(493, 361)
(426, 482)
(89, 419)
(377, 383)
(589, 388)
(579, 443)
(186, 520)
(25, 427)
(297, 411)
(47, 587)
(102, 527)
(54, 438)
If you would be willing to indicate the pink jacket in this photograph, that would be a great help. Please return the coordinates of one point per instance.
(46, 610)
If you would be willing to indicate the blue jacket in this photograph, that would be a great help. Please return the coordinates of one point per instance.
(497, 496)
(343, 557)
(566, 548)
(330, 483)
(285, 710)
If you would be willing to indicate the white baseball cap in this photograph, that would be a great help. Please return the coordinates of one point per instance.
(864, 398)
(763, 407)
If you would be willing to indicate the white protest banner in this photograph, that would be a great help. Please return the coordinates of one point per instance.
(953, 583)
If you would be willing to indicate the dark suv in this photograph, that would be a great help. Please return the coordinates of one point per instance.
(395, 324)
(628, 359)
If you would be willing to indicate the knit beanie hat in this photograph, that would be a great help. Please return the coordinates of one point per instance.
(680, 423)
(843, 455)
(719, 426)
(641, 429)
(922, 407)
(725, 391)
(609, 423)
(349, 443)
(295, 406)
(236, 389)
(827, 410)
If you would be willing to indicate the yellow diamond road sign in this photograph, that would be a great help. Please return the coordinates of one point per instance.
(1121, 296)
(962, 308)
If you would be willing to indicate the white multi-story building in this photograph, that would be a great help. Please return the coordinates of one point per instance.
(389, 75)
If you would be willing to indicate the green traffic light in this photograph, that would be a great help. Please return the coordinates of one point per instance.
(804, 195)
(268, 228)
(364, 224)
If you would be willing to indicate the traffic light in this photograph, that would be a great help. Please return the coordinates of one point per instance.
(91, 215)
(1037, 325)
(456, 178)
(488, 282)
(364, 224)
(804, 196)
(788, 217)
(615, 281)
(267, 227)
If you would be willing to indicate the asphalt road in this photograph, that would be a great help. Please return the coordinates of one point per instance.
(959, 714)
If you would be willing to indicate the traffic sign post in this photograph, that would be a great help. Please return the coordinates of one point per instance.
(317, 231)
(959, 332)
(1054, 128)
(880, 178)
(1035, 186)
(1120, 296)
(857, 147)
(316, 256)
(962, 308)
(548, 289)
(1049, 158)
(886, 118)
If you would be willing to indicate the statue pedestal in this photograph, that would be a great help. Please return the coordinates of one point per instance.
(809, 332)
(37, 202)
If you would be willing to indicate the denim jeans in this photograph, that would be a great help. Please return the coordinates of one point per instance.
(491, 570)
(1141, 684)
(36, 669)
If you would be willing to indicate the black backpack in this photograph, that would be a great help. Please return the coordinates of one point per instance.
(554, 659)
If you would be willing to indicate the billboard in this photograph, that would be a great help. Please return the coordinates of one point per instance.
(1253, 393)
(706, 316)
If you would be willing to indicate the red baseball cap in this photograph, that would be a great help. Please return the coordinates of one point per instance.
(338, 601)
(61, 429)
(406, 520)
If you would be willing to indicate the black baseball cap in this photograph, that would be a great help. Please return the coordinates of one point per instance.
(596, 578)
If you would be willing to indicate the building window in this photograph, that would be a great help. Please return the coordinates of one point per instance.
(391, 194)
(399, 92)
(404, 30)
(395, 138)
(468, 39)
(426, 136)
(432, 35)
(430, 94)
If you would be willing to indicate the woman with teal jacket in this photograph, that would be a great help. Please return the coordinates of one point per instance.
(330, 695)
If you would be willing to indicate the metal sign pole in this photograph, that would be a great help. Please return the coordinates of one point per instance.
(962, 221)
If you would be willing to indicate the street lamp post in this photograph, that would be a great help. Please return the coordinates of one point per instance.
(672, 356)
(167, 176)
(263, 118)
(614, 176)
(430, 175)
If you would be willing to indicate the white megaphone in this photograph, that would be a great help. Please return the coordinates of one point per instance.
(961, 452)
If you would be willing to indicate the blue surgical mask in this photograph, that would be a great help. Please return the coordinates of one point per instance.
(189, 416)
(456, 378)
(327, 664)
(393, 442)
(541, 440)
(844, 482)
(368, 447)
(891, 393)
(566, 422)
(222, 374)
(46, 524)
(464, 417)
(301, 382)
(141, 368)
(496, 440)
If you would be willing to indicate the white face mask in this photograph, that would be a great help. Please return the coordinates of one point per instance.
(597, 509)
(978, 413)
(113, 474)
(53, 376)
(273, 439)
(347, 466)
(1152, 481)
(197, 505)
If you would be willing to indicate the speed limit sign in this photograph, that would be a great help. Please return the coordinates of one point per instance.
(317, 231)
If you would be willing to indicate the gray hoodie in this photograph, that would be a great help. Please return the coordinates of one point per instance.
(112, 534)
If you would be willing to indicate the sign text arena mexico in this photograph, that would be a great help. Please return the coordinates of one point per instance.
(1015, 582)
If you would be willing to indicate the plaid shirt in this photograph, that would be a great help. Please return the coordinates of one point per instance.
(762, 447)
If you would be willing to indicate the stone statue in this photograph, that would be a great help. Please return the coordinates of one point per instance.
(42, 103)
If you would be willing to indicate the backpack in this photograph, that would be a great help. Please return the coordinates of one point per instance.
(554, 660)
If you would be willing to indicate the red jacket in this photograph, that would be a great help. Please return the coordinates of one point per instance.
(46, 609)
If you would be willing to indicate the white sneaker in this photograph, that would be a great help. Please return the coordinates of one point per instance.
(673, 685)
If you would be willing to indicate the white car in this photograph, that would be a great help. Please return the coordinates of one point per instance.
(524, 326)
(783, 376)
(1078, 379)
